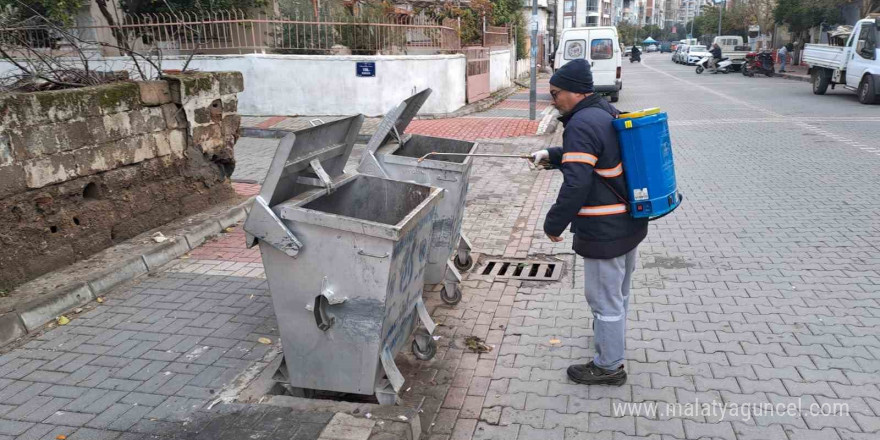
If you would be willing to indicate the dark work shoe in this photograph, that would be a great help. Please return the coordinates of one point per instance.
(590, 374)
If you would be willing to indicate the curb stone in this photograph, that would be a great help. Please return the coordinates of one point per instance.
(801, 78)
(40, 311)
(30, 316)
(108, 279)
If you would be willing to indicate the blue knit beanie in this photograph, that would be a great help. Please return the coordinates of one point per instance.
(575, 76)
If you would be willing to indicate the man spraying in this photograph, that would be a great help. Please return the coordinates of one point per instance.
(605, 235)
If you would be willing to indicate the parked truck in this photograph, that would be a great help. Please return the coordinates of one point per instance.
(732, 47)
(854, 66)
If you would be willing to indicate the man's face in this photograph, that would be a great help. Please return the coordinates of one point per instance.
(563, 100)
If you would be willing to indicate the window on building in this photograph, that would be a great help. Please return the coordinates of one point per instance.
(569, 12)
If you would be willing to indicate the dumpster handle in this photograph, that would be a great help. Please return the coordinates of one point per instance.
(323, 319)
(362, 252)
(313, 122)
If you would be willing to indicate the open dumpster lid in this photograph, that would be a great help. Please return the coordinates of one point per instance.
(304, 160)
(391, 128)
(397, 119)
(308, 158)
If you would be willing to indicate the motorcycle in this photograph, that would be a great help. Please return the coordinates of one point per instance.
(723, 65)
(635, 57)
(758, 63)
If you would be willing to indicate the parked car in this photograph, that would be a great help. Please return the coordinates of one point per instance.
(601, 47)
(695, 54)
(676, 56)
(652, 48)
(628, 50)
(855, 66)
(681, 54)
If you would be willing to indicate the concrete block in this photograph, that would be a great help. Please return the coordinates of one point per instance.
(40, 311)
(165, 253)
(12, 180)
(154, 93)
(11, 328)
(232, 217)
(175, 117)
(202, 232)
(230, 82)
(126, 270)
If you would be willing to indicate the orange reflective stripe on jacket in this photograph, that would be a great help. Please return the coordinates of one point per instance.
(610, 172)
(590, 211)
(579, 158)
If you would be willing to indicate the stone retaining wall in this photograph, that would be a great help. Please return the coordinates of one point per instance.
(81, 169)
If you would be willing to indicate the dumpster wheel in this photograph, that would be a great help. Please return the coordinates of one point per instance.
(429, 351)
(464, 266)
(453, 299)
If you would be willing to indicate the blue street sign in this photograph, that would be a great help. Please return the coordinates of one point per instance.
(366, 69)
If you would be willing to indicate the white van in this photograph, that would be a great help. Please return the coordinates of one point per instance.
(600, 46)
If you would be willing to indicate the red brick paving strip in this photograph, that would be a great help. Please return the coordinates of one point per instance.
(474, 128)
(522, 105)
(229, 246)
(270, 122)
(246, 189)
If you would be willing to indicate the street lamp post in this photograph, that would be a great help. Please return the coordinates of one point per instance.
(720, 13)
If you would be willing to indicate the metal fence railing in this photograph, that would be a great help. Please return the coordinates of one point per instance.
(235, 31)
(496, 36)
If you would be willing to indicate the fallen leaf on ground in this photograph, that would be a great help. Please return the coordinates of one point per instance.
(159, 237)
(555, 341)
(99, 299)
(476, 344)
(264, 341)
(61, 437)
(78, 310)
(62, 320)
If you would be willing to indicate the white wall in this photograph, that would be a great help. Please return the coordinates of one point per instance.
(326, 84)
(523, 68)
(499, 70)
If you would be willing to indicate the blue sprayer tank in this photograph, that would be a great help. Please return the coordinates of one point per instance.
(646, 153)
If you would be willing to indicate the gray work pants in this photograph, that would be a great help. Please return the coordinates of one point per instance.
(606, 286)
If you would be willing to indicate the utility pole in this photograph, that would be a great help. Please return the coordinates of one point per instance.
(533, 82)
(693, 18)
(720, 14)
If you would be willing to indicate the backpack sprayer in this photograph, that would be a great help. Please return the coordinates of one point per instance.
(646, 154)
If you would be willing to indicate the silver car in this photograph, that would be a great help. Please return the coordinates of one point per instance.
(680, 55)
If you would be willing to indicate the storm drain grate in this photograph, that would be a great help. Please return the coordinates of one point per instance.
(523, 270)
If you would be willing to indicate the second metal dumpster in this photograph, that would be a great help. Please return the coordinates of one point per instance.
(344, 256)
(393, 155)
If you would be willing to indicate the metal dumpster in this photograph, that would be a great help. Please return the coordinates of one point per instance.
(344, 256)
(393, 155)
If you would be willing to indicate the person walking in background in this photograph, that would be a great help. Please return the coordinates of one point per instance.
(782, 54)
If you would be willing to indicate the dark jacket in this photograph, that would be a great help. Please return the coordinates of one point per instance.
(601, 224)
(716, 53)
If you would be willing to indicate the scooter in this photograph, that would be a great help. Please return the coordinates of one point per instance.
(723, 65)
(758, 63)
(635, 57)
